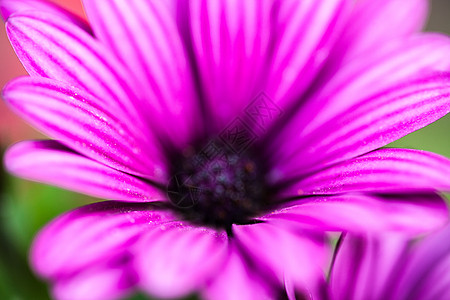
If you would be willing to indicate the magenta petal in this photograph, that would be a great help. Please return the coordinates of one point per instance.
(363, 213)
(49, 46)
(52, 163)
(376, 22)
(290, 253)
(426, 276)
(389, 65)
(176, 259)
(158, 60)
(75, 118)
(385, 67)
(96, 284)
(365, 267)
(385, 170)
(392, 268)
(230, 40)
(9, 7)
(300, 49)
(236, 280)
(368, 125)
(92, 235)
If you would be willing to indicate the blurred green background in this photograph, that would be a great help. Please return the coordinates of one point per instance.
(26, 206)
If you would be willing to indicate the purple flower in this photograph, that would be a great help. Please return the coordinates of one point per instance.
(388, 268)
(231, 134)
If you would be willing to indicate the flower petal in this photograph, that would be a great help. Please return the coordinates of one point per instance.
(52, 163)
(9, 7)
(392, 268)
(176, 259)
(289, 253)
(99, 283)
(299, 49)
(158, 60)
(229, 40)
(389, 65)
(100, 233)
(267, 46)
(375, 22)
(365, 266)
(237, 279)
(426, 275)
(74, 117)
(366, 126)
(363, 213)
(381, 171)
(49, 46)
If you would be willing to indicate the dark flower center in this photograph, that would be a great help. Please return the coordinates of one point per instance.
(218, 188)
